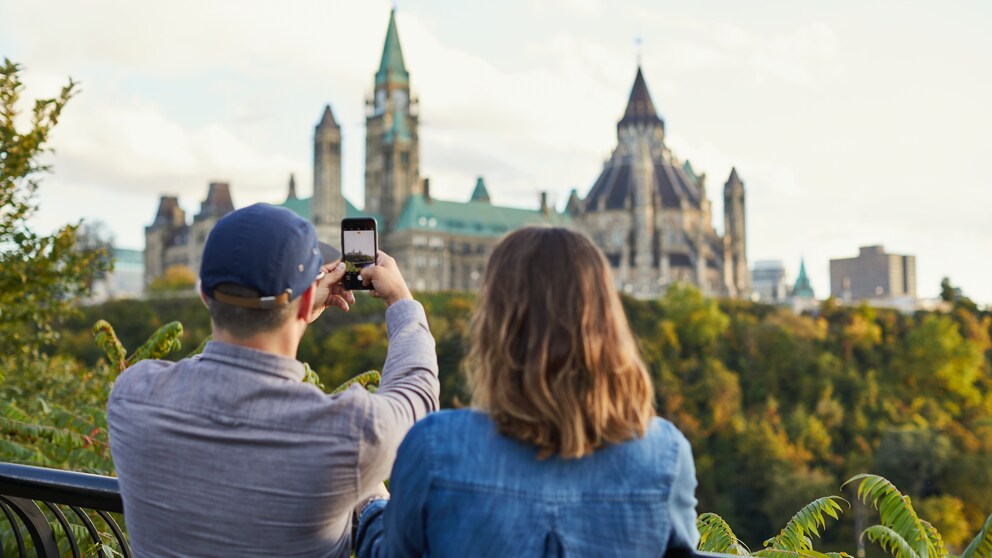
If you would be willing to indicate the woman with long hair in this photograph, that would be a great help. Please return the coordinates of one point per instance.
(560, 453)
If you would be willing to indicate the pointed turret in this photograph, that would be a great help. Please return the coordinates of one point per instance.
(736, 273)
(327, 119)
(292, 188)
(480, 194)
(327, 206)
(640, 108)
(391, 68)
(574, 205)
(218, 202)
(802, 288)
(733, 181)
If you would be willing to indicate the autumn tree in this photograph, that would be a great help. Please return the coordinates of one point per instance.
(176, 278)
(40, 274)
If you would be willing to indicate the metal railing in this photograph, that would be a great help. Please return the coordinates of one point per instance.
(39, 501)
(23, 488)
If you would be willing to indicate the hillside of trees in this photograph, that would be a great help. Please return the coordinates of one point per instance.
(780, 408)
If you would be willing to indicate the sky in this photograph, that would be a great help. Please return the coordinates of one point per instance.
(851, 123)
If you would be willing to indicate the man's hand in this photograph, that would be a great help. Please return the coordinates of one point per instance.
(386, 280)
(330, 291)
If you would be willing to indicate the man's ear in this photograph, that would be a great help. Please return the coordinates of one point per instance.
(203, 299)
(306, 303)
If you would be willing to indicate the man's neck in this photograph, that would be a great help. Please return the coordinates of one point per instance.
(276, 342)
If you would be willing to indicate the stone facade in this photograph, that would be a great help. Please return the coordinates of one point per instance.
(650, 214)
(171, 241)
(647, 210)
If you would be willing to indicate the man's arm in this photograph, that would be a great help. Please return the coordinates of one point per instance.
(409, 387)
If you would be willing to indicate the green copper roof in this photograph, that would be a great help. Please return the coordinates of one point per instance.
(392, 69)
(480, 193)
(473, 218)
(803, 288)
(399, 129)
(301, 207)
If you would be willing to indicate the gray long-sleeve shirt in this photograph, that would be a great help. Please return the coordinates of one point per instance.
(231, 454)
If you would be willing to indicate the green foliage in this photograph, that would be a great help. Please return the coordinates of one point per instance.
(52, 415)
(164, 341)
(715, 535)
(368, 380)
(40, 275)
(106, 339)
(901, 532)
(175, 278)
(807, 521)
(981, 546)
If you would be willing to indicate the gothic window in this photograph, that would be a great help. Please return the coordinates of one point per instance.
(617, 237)
(404, 158)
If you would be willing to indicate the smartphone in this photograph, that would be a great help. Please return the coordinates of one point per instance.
(359, 248)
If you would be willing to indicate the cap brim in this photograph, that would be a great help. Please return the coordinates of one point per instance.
(328, 252)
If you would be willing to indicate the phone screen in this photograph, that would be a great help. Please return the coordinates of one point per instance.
(359, 246)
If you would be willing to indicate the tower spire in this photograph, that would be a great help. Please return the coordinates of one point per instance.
(640, 109)
(802, 288)
(292, 187)
(392, 69)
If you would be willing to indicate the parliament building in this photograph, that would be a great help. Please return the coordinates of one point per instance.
(647, 210)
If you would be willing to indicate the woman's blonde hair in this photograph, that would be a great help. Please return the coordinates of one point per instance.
(553, 360)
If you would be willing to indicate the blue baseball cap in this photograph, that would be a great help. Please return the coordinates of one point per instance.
(266, 248)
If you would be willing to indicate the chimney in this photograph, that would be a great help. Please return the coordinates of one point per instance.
(427, 190)
(544, 203)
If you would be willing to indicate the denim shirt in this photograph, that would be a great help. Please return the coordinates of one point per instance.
(459, 488)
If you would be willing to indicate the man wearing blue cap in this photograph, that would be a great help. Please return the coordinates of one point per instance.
(230, 453)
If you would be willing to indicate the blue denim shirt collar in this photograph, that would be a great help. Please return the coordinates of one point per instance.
(254, 360)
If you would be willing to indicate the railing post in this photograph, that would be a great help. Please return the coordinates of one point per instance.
(37, 525)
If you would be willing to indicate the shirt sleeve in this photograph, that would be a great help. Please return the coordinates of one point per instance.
(399, 527)
(682, 504)
(408, 390)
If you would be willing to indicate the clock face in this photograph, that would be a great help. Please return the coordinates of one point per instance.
(380, 101)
